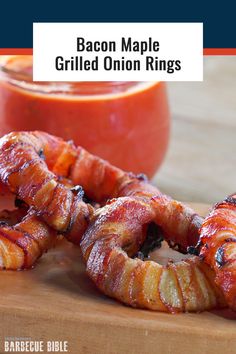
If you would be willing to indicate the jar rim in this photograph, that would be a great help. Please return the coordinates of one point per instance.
(22, 79)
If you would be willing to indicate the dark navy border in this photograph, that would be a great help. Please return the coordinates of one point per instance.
(17, 16)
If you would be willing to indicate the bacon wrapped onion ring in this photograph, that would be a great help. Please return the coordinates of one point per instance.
(102, 181)
(115, 235)
(218, 246)
(31, 162)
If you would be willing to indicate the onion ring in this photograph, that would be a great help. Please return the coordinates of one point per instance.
(115, 236)
(218, 246)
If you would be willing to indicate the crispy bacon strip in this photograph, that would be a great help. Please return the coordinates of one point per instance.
(23, 241)
(24, 236)
(24, 170)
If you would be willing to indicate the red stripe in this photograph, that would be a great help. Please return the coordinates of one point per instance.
(219, 51)
(29, 51)
(16, 51)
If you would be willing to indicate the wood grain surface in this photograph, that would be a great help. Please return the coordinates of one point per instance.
(57, 301)
(200, 163)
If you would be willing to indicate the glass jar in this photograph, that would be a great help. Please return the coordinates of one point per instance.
(126, 123)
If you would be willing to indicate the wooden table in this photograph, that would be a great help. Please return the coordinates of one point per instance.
(201, 161)
(56, 301)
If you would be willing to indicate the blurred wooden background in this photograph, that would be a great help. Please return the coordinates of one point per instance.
(200, 165)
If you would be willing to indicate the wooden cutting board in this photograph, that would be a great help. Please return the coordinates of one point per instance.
(57, 301)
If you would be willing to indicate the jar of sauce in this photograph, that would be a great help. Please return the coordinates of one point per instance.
(126, 123)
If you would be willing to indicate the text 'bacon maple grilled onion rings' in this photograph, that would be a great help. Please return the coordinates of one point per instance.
(218, 246)
(114, 237)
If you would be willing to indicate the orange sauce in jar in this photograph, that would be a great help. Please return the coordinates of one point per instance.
(126, 123)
